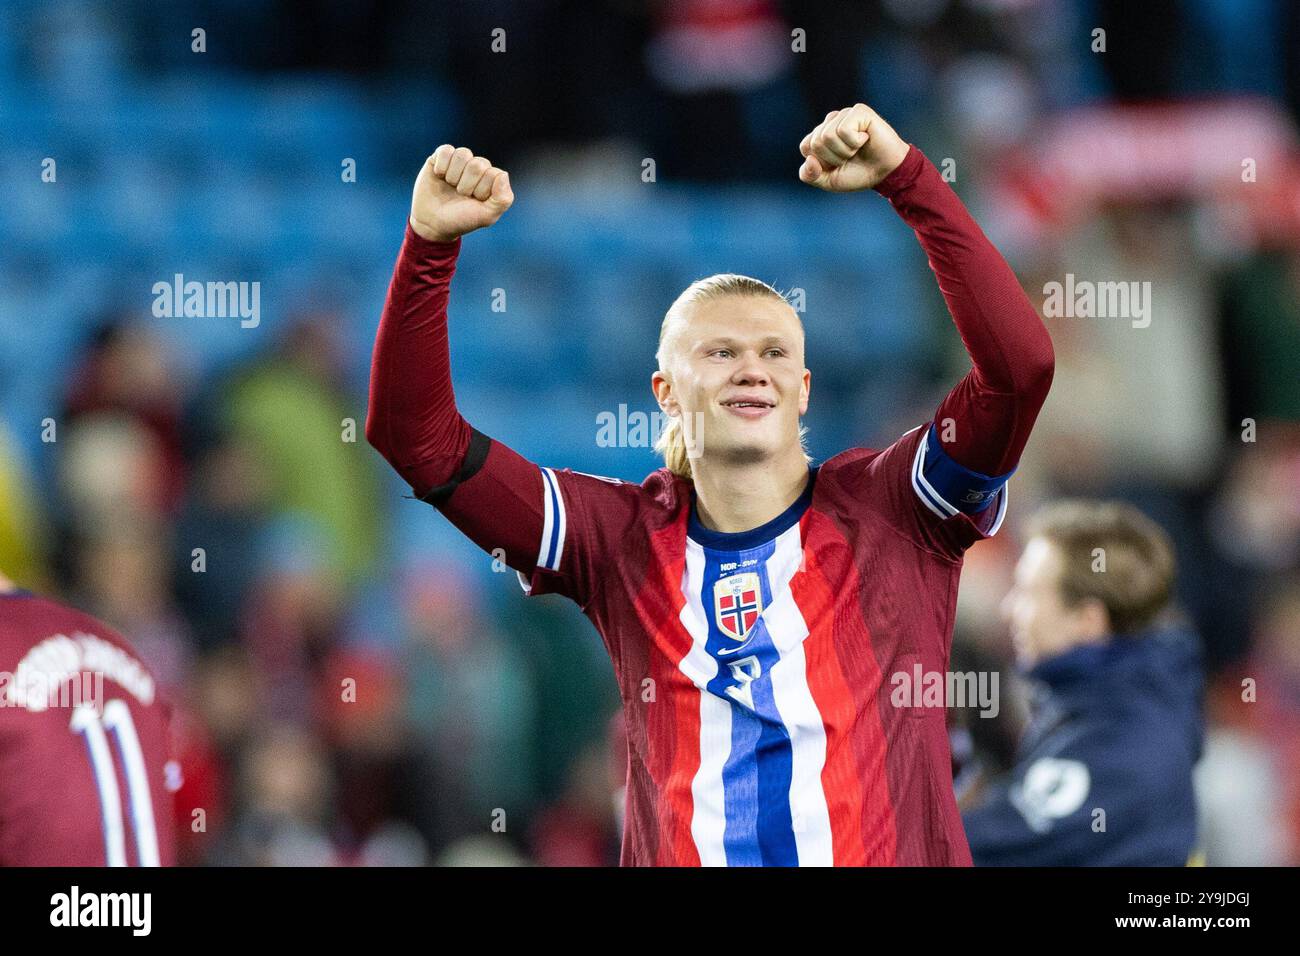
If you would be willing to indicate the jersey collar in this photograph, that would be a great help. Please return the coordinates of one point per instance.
(744, 540)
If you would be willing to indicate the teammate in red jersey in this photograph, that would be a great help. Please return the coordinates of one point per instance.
(83, 742)
(758, 608)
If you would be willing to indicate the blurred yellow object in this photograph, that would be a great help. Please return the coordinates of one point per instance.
(1196, 859)
(22, 556)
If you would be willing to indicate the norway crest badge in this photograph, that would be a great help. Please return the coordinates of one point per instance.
(737, 603)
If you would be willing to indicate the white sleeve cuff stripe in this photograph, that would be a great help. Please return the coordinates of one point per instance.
(1002, 509)
(564, 523)
(548, 519)
(936, 502)
(553, 523)
(932, 499)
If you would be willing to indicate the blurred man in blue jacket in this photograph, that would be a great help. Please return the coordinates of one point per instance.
(1103, 773)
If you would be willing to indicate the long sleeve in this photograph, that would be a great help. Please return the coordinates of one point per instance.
(412, 419)
(483, 487)
(994, 406)
(552, 526)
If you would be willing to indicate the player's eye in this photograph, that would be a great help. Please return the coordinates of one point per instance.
(777, 352)
(725, 353)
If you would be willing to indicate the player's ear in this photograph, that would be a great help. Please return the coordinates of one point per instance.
(1093, 618)
(663, 392)
(805, 390)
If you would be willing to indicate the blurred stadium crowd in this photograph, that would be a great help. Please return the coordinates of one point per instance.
(205, 487)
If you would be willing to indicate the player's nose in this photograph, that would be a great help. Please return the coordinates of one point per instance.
(750, 371)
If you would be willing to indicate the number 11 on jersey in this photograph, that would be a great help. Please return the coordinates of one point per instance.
(87, 721)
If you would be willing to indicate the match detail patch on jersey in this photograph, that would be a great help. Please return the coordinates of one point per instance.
(947, 488)
(553, 523)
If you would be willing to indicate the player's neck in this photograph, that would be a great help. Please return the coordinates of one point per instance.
(734, 498)
(6, 585)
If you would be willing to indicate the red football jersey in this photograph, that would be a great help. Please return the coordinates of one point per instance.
(83, 743)
(759, 670)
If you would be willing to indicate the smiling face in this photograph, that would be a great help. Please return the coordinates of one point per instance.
(735, 366)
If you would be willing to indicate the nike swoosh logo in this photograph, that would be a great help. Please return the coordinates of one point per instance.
(739, 647)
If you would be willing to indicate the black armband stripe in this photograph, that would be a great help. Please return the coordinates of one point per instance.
(475, 456)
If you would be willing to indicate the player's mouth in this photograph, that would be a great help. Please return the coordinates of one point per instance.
(749, 407)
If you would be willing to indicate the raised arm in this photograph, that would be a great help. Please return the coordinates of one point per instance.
(993, 408)
(546, 524)
(412, 420)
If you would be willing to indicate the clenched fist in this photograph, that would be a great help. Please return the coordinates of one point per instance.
(458, 192)
(851, 149)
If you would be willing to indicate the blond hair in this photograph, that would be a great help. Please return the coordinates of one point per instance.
(671, 442)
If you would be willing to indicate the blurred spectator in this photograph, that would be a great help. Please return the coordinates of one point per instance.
(289, 409)
(1142, 390)
(1102, 775)
(285, 792)
(361, 712)
(223, 520)
(292, 616)
(122, 578)
(1251, 777)
(469, 704)
(127, 371)
(579, 829)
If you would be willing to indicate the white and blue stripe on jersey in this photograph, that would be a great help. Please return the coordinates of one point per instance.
(551, 548)
(757, 793)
